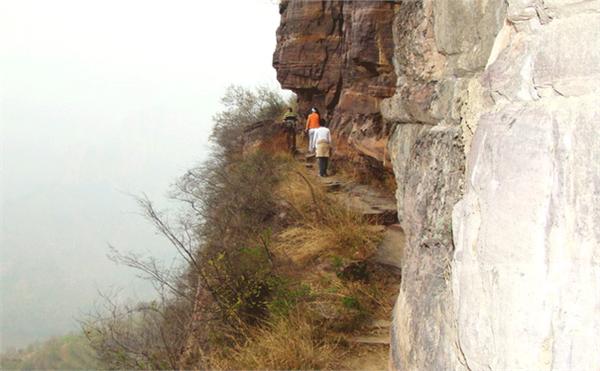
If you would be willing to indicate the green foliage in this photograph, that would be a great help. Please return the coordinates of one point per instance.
(350, 302)
(352, 314)
(67, 352)
(236, 263)
(241, 282)
(337, 262)
(250, 294)
(286, 296)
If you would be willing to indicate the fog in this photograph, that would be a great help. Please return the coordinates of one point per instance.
(100, 100)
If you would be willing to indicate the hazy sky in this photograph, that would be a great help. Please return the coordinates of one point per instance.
(99, 99)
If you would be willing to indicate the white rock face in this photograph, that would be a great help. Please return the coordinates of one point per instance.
(526, 266)
(515, 285)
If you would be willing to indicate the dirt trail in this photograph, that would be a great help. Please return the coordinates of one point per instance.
(370, 347)
(379, 208)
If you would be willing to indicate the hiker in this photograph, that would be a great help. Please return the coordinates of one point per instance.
(312, 123)
(289, 126)
(322, 138)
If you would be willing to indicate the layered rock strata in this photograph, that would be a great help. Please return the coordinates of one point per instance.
(501, 267)
(337, 56)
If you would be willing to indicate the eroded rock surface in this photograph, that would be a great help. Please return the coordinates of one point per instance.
(337, 56)
(526, 271)
(441, 50)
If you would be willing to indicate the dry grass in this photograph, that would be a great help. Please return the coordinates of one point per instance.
(306, 243)
(318, 239)
(346, 306)
(276, 144)
(322, 226)
(294, 342)
(326, 236)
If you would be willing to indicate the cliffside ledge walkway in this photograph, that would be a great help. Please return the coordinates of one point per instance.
(381, 210)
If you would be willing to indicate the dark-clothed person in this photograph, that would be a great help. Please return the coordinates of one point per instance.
(289, 125)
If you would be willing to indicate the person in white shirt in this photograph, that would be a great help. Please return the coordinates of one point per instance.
(322, 138)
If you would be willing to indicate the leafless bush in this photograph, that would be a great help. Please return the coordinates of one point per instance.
(141, 336)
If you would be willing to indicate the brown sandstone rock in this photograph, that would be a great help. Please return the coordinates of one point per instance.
(337, 56)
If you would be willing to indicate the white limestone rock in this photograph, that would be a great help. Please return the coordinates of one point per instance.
(526, 269)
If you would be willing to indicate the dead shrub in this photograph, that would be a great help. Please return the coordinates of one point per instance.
(222, 236)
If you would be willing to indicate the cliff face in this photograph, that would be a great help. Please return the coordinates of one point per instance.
(490, 115)
(337, 56)
(526, 271)
(441, 49)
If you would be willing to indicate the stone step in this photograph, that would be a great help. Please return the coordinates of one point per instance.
(378, 211)
(332, 185)
(380, 324)
(391, 248)
(382, 217)
(372, 204)
(384, 340)
(382, 209)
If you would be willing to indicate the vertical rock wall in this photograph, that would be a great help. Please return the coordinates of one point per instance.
(526, 271)
(441, 50)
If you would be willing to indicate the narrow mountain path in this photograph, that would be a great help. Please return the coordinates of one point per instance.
(371, 344)
(380, 209)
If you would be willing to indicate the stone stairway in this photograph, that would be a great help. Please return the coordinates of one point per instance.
(372, 348)
(378, 332)
(391, 248)
(376, 207)
(381, 211)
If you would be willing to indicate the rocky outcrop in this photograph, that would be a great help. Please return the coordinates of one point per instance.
(337, 56)
(255, 135)
(489, 117)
